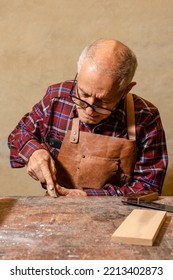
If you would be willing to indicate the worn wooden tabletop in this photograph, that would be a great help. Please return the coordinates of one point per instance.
(73, 228)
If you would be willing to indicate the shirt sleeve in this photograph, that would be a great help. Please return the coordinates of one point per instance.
(26, 137)
(151, 164)
(107, 190)
(152, 157)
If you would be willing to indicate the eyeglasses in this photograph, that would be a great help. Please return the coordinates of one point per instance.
(83, 104)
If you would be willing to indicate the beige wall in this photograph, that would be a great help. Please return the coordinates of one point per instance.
(40, 41)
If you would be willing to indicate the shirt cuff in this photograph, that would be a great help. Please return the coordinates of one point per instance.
(28, 149)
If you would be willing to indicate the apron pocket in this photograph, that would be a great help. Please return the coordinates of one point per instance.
(94, 172)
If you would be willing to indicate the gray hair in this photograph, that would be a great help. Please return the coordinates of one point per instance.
(122, 71)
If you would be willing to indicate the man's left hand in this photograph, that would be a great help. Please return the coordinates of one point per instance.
(69, 192)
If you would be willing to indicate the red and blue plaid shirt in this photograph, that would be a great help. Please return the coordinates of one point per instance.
(53, 115)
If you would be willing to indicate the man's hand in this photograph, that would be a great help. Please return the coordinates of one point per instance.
(69, 192)
(41, 166)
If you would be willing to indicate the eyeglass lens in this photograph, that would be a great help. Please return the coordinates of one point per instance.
(84, 105)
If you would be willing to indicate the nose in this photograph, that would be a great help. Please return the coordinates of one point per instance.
(90, 100)
(89, 110)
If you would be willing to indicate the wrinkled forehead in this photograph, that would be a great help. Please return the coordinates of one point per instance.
(96, 83)
(101, 64)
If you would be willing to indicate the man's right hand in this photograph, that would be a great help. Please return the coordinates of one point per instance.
(41, 166)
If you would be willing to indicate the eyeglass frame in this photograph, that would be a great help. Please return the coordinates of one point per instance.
(94, 107)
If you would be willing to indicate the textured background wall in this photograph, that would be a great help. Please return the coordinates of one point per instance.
(41, 41)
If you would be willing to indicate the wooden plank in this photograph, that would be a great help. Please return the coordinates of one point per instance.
(141, 227)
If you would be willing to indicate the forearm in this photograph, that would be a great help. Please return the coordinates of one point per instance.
(145, 177)
(112, 190)
(23, 141)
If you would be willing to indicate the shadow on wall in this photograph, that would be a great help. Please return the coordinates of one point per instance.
(168, 184)
(6, 205)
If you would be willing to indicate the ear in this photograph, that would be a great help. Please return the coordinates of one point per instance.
(129, 87)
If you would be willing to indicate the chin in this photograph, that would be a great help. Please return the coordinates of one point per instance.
(90, 120)
(95, 119)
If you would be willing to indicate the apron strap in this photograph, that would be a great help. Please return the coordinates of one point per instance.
(130, 117)
(74, 136)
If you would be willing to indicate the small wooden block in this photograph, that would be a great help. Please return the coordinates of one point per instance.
(142, 196)
(141, 227)
(148, 197)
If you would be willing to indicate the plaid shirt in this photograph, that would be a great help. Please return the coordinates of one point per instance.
(53, 115)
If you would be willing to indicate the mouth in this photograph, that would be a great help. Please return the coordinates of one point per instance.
(94, 117)
(91, 117)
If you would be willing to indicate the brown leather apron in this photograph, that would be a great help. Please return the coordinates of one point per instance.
(88, 160)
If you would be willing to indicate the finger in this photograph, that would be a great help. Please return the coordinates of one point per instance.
(35, 172)
(77, 193)
(51, 178)
(41, 178)
(49, 181)
(32, 175)
(73, 193)
(61, 190)
(53, 169)
(39, 175)
(52, 191)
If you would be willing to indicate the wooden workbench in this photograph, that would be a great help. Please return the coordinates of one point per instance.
(73, 228)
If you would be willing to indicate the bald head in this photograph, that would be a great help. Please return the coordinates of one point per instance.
(111, 58)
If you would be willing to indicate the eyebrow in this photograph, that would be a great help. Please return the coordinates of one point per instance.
(103, 99)
(83, 91)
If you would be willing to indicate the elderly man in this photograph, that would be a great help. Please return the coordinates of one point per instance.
(91, 136)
